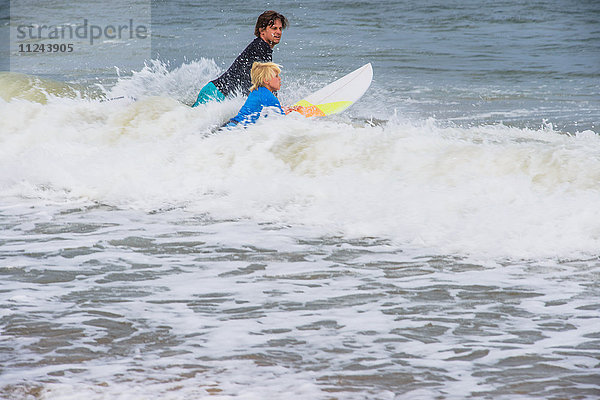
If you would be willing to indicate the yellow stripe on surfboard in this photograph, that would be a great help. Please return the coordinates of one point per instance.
(320, 110)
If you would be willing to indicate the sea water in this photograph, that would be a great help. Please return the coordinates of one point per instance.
(438, 240)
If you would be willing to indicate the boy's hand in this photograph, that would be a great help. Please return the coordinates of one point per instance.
(289, 109)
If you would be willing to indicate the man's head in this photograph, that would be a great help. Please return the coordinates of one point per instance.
(267, 75)
(269, 27)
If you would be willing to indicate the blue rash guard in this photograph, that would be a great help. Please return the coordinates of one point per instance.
(256, 101)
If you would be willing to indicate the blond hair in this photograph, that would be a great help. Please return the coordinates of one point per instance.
(262, 72)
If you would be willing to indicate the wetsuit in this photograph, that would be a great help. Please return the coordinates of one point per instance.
(237, 77)
(256, 101)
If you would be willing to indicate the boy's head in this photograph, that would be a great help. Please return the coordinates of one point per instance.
(265, 74)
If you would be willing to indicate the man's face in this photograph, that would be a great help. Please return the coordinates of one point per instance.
(272, 34)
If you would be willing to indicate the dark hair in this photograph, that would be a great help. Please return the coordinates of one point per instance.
(268, 19)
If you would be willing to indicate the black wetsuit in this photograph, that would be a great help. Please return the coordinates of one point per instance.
(237, 77)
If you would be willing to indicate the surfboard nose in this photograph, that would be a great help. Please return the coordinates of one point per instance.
(340, 94)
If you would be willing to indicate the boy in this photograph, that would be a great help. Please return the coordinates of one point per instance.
(265, 82)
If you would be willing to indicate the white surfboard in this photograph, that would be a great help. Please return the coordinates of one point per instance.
(338, 95)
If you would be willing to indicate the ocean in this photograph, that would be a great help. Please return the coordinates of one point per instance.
(440, 239)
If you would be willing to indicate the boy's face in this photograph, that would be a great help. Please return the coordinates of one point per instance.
(273, 84)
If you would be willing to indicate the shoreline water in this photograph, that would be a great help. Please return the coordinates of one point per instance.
(439, 239)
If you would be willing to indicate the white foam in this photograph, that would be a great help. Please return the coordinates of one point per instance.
(158, 78)
(490, 190)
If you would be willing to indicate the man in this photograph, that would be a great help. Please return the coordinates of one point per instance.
(268, 30)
